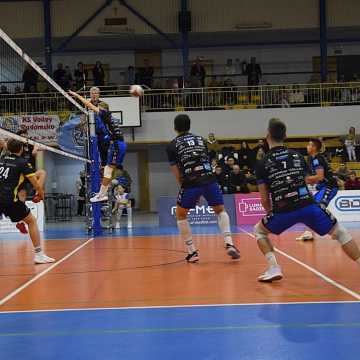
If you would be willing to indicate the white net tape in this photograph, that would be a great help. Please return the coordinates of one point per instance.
(9, 134)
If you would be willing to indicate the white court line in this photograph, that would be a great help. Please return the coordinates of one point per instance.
(42, 273)
(180, 306)
(314, 271)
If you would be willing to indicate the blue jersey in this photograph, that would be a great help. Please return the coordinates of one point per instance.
(101, 130)
(318, 162)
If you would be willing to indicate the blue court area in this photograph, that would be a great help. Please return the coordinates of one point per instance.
(272, 331)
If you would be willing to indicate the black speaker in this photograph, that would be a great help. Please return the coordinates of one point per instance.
(184, 21)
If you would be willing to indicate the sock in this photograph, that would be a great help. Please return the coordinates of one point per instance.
(38, 250)
(103, 190)
(185, 233)
(270, 257)
(129, 215)
(224, 225)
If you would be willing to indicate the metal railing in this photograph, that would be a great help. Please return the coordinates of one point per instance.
(215, 98)
(244, 97)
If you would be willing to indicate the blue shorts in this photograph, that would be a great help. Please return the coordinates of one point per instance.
(325, 195)
(314, 216)
(189, 197)
(116, 153)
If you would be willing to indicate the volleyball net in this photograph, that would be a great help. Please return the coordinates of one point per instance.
(38, 111)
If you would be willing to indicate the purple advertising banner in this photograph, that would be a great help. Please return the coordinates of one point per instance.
(201, 215)
(248, 209)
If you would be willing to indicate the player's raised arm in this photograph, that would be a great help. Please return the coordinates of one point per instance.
(86, 102)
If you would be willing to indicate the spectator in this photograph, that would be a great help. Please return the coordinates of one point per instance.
(229, 164)
(60, 75)
(80, 76)
(214, 165)
(350, 143)
(68, 80)
(130, 76)
(146, 74)
(260, 150)
(80, 187)
(98, 73)
(95, 95)
(29, 78)
(222, 179)
(230, 69)
(343, 173)
(238, 181)
(198, 74)
(213, 146)
(253, 72)
(245, 155)
(353, 182)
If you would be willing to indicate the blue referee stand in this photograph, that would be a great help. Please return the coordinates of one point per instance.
(95, 178)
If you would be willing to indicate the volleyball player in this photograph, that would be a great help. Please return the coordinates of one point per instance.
(13, 170)
(29, 154)
(190, 163)
(322, 176)
(117, 146)
(281, 175)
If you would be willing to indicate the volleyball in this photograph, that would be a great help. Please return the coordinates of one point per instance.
(136, 90)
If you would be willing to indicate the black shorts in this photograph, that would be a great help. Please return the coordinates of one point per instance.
(16, 211)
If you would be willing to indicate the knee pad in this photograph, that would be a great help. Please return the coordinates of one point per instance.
(341, 235)
(108, 172)
(260, 233)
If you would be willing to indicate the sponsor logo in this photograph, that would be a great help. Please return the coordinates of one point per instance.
(198, 210)
(348, 203)
(251, 207)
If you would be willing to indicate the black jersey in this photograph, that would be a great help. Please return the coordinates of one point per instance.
(319, 162)
(112, 124)
(190, 154)
(284, 171)
(13, 170)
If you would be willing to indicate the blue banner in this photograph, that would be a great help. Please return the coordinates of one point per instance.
(201, 215)
(71, 136)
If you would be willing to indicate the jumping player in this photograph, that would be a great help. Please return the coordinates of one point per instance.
(29, 154)
(13, 170)
(281, 175)
(322, 176)
(117, 147)
(190, 163)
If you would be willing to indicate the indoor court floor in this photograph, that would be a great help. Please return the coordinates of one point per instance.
(132, 296)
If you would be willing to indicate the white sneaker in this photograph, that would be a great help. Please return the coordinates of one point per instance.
(117, 225)
(41, 258)
(272, 274)
(129, 226)
(99, 198)
(306, 236)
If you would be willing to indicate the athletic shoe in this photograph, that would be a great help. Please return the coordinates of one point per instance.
(22, 227)
(272, 274)
(99, 198)
(193, 258)
(306, 236)
(232, 251)
(129, 226)
(41, 258)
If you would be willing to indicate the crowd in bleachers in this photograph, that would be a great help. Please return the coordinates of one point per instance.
(233, 164)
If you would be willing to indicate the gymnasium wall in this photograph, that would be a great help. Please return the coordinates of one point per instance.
(158, 127)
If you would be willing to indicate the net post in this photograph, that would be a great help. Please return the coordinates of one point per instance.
(94, 175)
